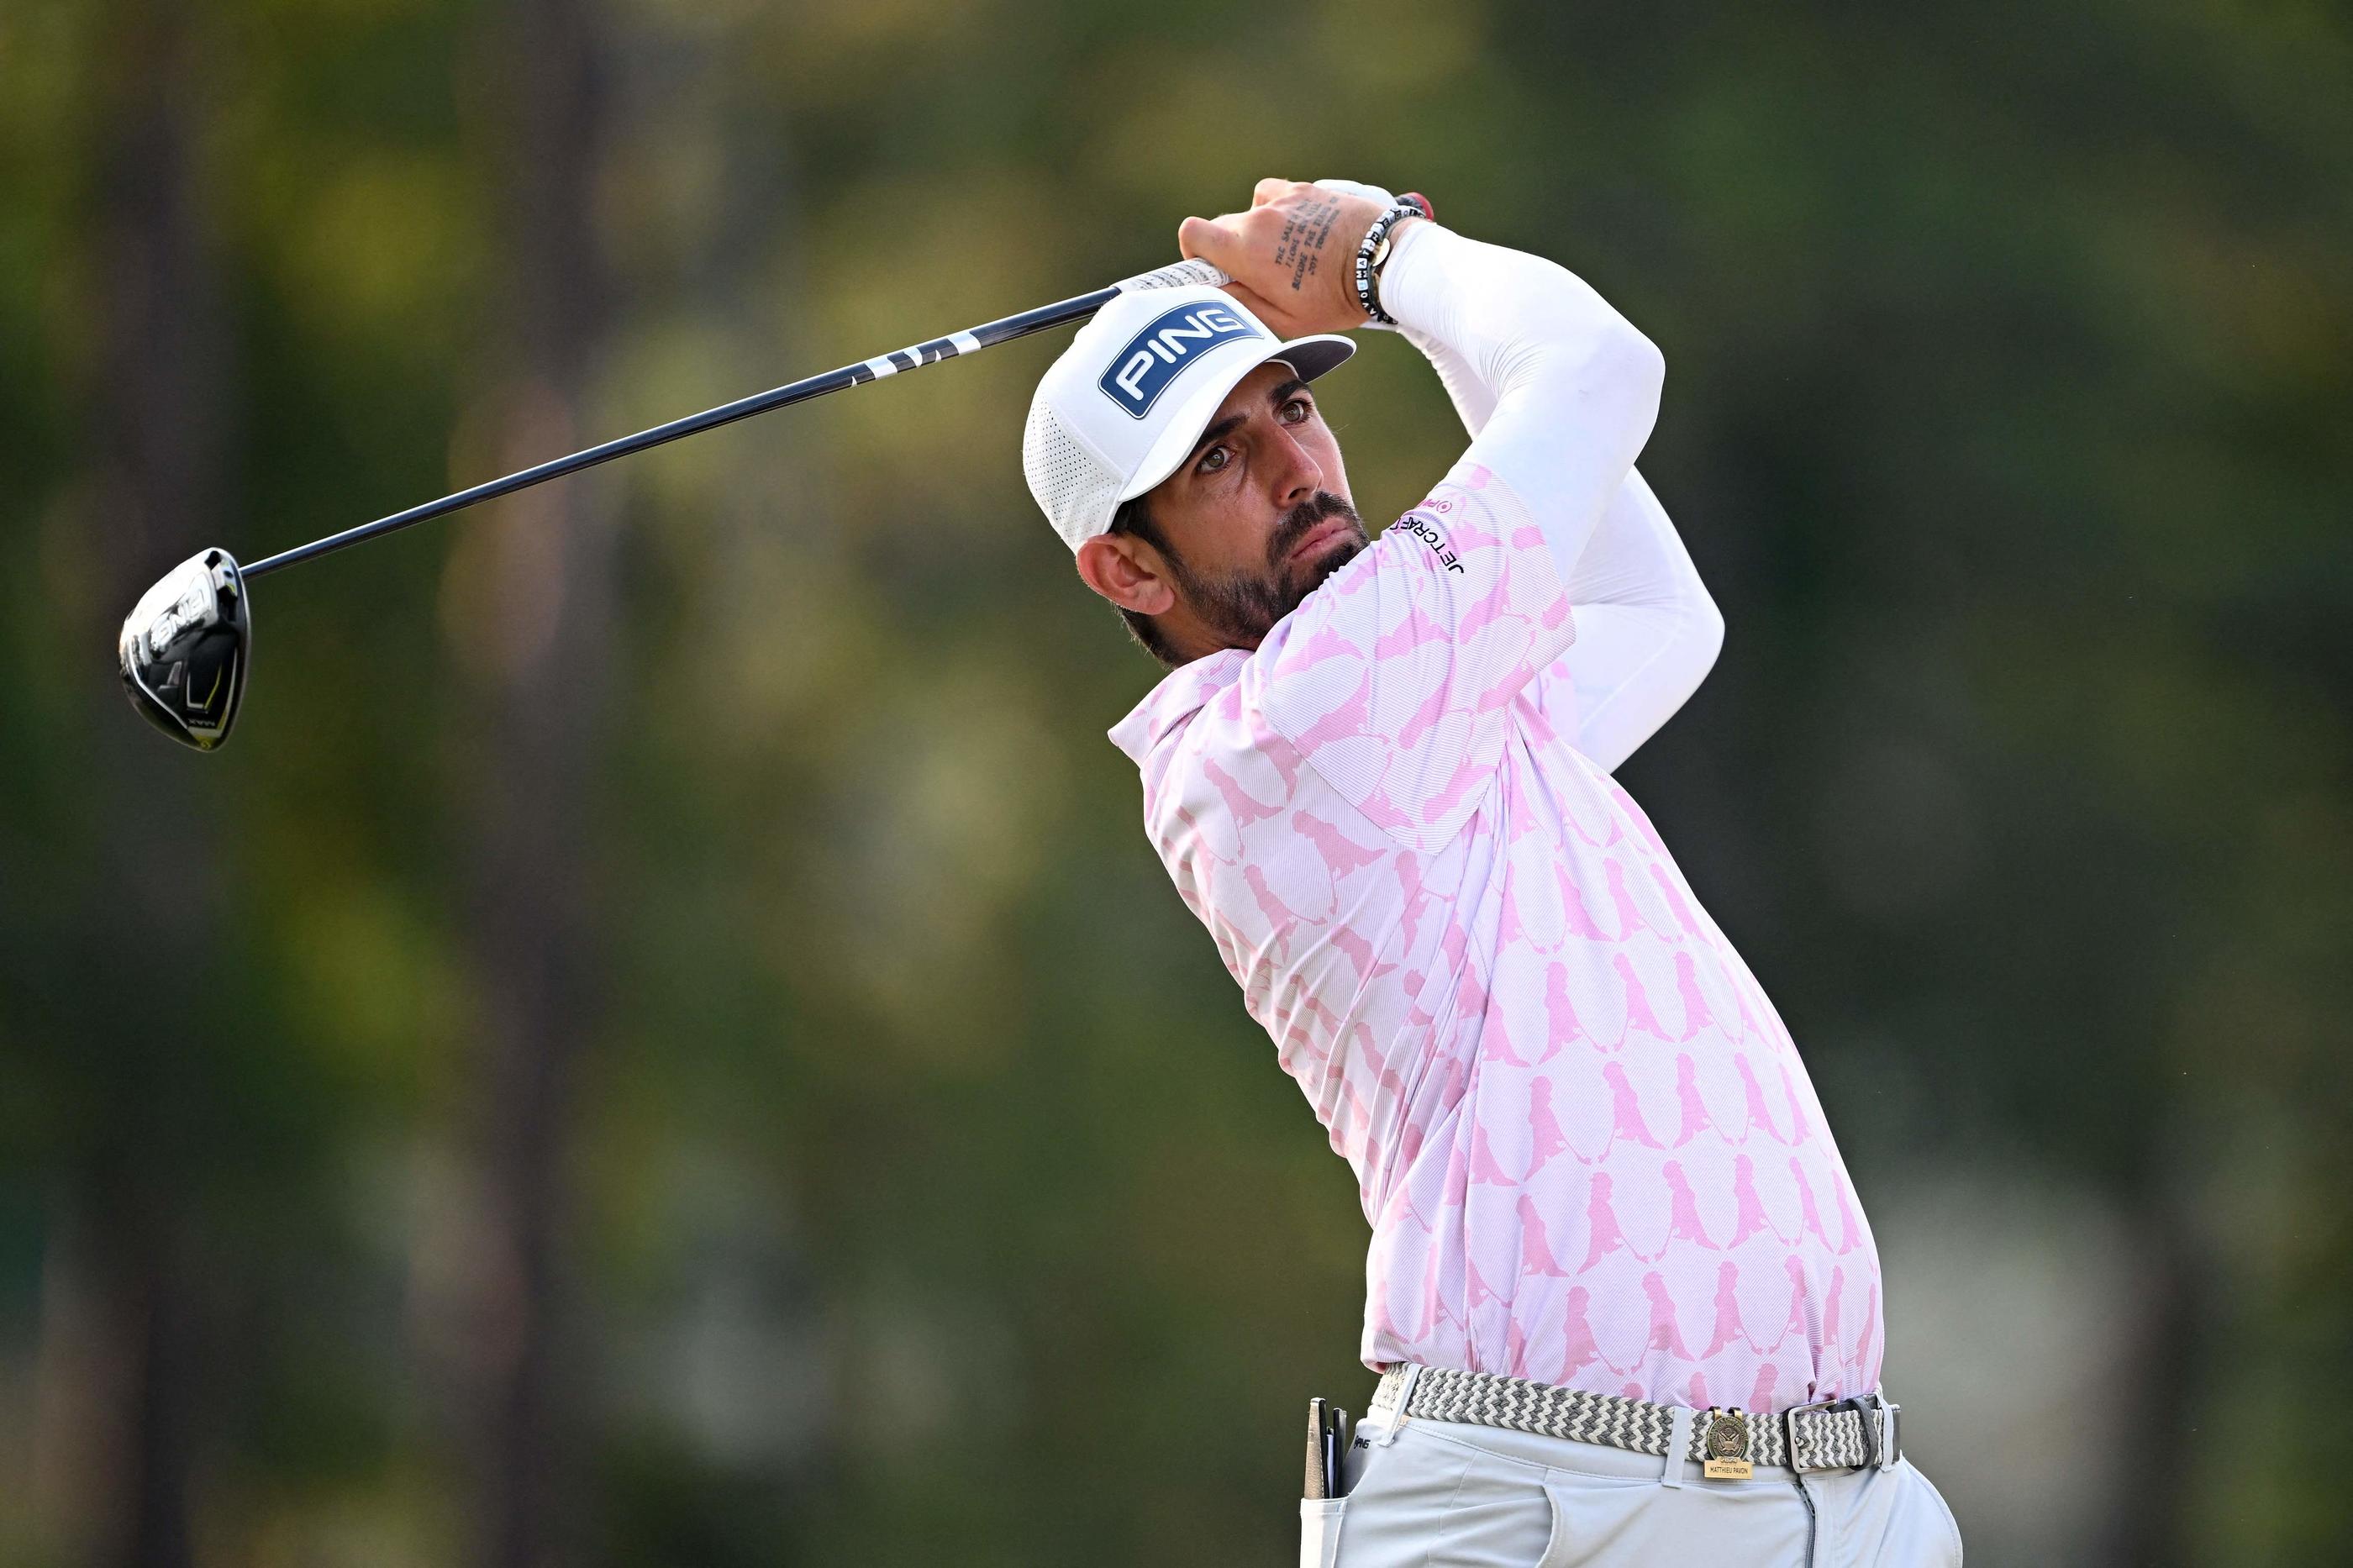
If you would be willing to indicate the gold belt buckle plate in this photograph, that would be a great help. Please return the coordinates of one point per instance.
(1725, 1447)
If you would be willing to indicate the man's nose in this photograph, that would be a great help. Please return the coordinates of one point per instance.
(1297, 476)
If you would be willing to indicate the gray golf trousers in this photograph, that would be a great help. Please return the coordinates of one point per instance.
(1446, 1495)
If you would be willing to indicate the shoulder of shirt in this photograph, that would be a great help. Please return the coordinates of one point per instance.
(1472, 484)
(1182, 692)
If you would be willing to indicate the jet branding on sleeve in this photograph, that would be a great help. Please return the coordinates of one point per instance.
(1435, 539)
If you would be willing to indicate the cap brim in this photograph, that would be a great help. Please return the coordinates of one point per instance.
(1310, 356)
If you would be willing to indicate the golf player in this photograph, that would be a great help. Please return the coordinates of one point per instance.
(1623, 1297)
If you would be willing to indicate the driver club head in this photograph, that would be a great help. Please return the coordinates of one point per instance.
(184, 647)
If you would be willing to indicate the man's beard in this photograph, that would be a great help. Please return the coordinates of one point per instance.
(1241, 607)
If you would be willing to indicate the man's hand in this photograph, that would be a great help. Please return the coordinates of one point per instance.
(1291, 257)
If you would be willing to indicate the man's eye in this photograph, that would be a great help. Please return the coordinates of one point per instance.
(1213, 459)
(1297, 409)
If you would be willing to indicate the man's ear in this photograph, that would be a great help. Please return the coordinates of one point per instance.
(1128, 572)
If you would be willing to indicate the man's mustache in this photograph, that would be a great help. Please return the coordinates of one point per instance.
(1304, 519)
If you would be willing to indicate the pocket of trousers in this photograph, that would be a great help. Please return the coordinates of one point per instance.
(1557, 1545)
(1319, 1530)
(1952, 1525)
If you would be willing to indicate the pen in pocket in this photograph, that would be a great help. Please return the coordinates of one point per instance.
(1317, 1487)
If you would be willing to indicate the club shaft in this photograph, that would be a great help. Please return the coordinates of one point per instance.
(911, 358)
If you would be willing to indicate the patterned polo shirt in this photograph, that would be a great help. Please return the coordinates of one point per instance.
(1587, 1148)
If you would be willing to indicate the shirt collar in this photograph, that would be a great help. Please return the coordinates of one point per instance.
(1181, 693)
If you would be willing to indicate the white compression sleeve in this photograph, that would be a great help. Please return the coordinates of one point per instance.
(1567, 388)
(1647, 631)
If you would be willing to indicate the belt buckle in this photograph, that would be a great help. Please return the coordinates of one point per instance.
(1789, 1428)
(1882, 1440)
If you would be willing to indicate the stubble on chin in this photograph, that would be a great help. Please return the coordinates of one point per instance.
(1240, 608)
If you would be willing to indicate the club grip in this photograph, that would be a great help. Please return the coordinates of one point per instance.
(1176, 275)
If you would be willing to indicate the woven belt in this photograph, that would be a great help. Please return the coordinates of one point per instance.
(1834, 1434)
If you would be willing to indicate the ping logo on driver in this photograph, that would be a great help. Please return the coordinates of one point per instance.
(1159, 353)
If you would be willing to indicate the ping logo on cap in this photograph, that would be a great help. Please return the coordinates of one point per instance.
(1158, 355)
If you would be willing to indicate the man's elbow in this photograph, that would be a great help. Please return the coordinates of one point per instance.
(1640, 361)
(1631, 375)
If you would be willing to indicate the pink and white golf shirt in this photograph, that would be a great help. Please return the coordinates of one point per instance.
(1589, 1150)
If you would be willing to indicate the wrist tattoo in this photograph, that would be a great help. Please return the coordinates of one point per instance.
(1305, 234)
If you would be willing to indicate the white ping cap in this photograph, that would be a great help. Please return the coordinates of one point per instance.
(1124, 404)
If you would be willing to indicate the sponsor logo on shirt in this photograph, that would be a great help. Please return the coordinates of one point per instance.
(1159, 353)
(1435, 539)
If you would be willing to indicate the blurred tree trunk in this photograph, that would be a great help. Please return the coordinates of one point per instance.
(2158, 1408)
(531, 587)
(122, 1332)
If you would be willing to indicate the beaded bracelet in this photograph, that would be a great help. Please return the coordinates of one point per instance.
(1374, 251)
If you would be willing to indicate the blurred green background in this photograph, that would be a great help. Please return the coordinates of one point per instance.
(663, 1042)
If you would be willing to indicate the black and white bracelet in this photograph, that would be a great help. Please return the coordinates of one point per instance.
(1375, 251)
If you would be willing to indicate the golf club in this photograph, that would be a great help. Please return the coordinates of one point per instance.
(187, 647)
